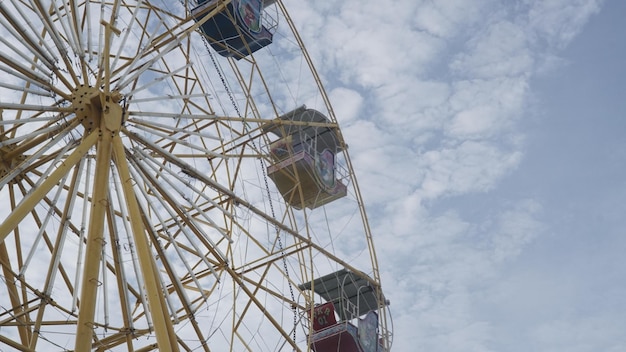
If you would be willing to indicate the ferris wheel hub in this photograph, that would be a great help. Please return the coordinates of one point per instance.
(97, 109)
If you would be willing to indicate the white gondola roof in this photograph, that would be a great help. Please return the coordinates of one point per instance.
(345, 289)
(308, 124)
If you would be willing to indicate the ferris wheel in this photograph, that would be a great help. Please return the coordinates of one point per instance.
(173, 178)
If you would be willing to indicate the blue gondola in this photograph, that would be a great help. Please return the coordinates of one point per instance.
(237, 30)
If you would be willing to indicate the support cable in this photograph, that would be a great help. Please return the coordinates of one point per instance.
(261, 163)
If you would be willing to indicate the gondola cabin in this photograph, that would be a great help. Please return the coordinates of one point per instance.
(236, 29)
(348, 320)
(304, 156)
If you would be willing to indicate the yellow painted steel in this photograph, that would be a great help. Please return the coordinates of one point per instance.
(109, 114)
(95, 242)
(24, 332)
(220, 218)
(164, 330)
(29, 203)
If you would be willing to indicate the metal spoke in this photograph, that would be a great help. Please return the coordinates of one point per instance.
(141, 160)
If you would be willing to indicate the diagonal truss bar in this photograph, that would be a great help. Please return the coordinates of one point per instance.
(95, 242)
(10, 279)
(28, 203)
(164, 330)
(191, 171)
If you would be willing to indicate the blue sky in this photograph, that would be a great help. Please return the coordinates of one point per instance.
(488, 141)
(488, 138)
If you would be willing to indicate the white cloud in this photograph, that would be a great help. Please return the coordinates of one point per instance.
(500, 49)
(579, 334)
(447, 18)
(515, 229)
(430, 95)
(468, 167)
(444, 86)
(351, 107)
(558, 21)
(411, 106)
(486, 108)
(439, 263)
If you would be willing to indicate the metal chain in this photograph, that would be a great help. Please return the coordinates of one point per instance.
(267, 188)
(282, 252)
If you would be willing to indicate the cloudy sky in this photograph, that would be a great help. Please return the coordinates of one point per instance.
(493, 163)
(488, 140)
